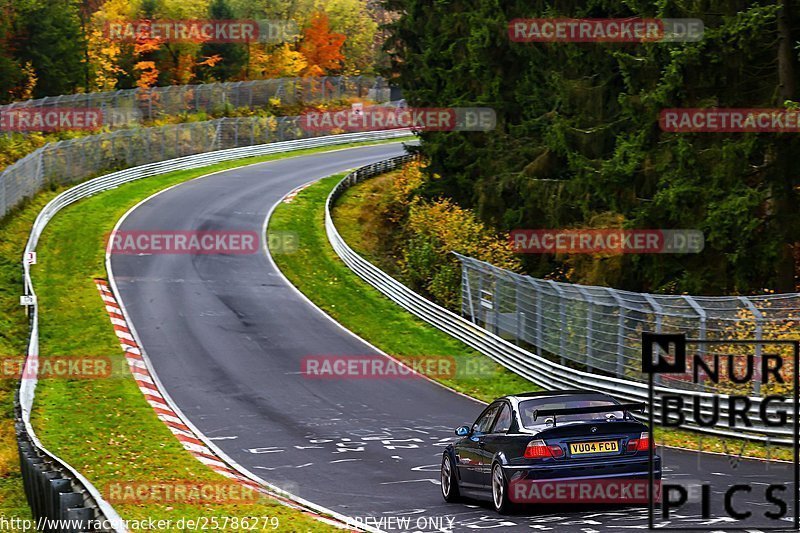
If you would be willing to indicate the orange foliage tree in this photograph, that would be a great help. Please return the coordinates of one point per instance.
(147, 72)
(321, 47)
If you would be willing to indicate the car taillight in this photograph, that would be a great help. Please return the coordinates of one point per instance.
(556, 450)
(537, 449)
(642, 444)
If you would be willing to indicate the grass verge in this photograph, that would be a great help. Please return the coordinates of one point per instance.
(103, 427)
(319, 274)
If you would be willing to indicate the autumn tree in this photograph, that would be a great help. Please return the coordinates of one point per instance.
(107, 57)
(321, 47)
(281, 61)
(353, 19)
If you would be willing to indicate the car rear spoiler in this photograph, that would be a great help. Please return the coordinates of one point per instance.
(625, 407)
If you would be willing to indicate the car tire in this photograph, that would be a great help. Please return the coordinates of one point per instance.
(502, 503)
(449, 480)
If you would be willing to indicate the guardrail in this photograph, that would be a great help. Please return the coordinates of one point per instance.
(539, 370)
(72, 160)
(54, 488)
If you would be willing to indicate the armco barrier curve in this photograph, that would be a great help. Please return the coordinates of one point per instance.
(54, 488)
(537, 369)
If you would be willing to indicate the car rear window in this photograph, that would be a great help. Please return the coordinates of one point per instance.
(528, 407)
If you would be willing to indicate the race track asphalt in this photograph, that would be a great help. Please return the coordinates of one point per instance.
(226, 335)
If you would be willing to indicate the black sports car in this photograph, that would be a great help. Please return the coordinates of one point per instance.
(579, 439)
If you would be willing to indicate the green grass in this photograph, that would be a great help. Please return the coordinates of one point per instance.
(316, 270)
(358, 225)
(319, 274)
(102, 427)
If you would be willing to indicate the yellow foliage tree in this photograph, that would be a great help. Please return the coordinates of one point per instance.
(104, 54)
(429, 231)
(281, 61)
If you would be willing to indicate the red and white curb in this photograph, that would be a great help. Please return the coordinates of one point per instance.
(186, 436)
(291, 196)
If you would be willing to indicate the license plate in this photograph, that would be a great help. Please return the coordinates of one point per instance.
(606, 446)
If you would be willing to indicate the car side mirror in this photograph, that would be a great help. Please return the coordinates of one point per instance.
(462, 431)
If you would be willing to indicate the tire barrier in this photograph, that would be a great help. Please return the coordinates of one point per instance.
(57, 503)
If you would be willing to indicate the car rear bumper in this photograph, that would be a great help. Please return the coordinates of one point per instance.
(614, 483)
(633, 468)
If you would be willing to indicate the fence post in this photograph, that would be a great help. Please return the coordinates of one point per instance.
(620, 370)
(496, 302)
(562, 314)
(471, 303)
(537, 298)
(3, 201)
(520, 314)
(589, 327)
(757, 317)
(701, 348)
(658, 313)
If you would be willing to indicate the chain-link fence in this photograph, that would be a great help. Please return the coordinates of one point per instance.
(130, 106)
(74, 160)
(599, 328)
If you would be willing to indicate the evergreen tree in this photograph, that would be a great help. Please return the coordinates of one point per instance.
(578, 139)
(10, 72)
(232, 56)
(52, 41)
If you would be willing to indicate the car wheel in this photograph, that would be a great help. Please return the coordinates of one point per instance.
(502, 504)
(450, 489)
